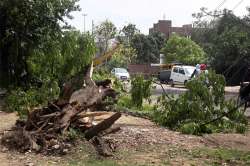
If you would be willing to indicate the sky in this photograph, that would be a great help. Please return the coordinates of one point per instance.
(144, 13)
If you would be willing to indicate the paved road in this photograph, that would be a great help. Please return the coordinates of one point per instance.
(231, 91)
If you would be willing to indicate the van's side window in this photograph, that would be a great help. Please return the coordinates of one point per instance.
(175, 70)
(181, 71)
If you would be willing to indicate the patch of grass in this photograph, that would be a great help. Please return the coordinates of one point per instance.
(222, 155)
(92, 162)
(125, 103)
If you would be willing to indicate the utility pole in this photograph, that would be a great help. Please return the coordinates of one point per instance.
(93, 26)
(84, 15)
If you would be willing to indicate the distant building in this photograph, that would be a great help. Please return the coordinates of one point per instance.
(165, 27)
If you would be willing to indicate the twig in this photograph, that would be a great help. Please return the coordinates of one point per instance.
(51, 115)
(164, 91)
(224, 114)
(55, 106)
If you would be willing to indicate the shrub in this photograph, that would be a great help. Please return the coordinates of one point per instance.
(195, 111)
(23, 101)
(141, 89)
(241, 128)
(125, 101)
(190, 128)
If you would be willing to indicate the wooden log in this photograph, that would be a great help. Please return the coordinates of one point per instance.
(105, 124)
(101, 147)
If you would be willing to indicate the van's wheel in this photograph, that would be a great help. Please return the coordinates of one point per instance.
(171, 83)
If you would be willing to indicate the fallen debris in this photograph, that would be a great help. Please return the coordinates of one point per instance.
(46, 129)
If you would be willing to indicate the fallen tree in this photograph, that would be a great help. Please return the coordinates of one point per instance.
(45, 128)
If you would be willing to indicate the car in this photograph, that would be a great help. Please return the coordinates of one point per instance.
(121, 74)
(181, 74)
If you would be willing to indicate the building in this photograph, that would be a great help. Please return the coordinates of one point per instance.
(165, 27)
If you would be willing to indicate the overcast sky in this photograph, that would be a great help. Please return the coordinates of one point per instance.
(144, 13)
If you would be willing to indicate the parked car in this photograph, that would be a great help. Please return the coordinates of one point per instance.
(121, 73)
(164, 76)
(181, 74)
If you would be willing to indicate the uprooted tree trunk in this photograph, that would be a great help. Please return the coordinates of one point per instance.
(44, 128)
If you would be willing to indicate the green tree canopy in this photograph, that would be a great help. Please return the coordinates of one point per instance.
(122, 57)
(127, 33)
(226, 41)
(62, 58)
(25, 26)
(148, 47)
(183, 50)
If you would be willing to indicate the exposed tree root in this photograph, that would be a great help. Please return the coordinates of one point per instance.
(48, 129)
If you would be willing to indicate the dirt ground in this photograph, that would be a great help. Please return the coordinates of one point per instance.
(139, 142)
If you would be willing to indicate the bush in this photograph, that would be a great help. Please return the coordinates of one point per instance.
(190, 128)
(241, 128)
(141, 89)
(125, 101)
(23, 101)
(193, 111)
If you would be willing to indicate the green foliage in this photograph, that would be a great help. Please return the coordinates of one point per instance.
(202, 103)
(125, 101)
(183, 50)
(148, 47)
(73, 134)
(22, 101)
(190, 128)
(141, 89)
(122, 57)
(226, 156)
(127, 33)
(125, 104)
(26, 25)
(241, 128)
(53, 64)
(226, 42)
(63, 58)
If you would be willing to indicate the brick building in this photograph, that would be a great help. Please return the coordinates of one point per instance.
(165, 27)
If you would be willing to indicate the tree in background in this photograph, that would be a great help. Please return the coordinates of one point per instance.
(25, 25)
(226, 41)
(127, 33)
(122, 57)
(103, 34)
(157, 40)
(148, 47)
(183, 50)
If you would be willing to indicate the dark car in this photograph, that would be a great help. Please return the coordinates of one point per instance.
(164, 76)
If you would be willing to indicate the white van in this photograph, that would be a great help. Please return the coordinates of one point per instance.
(181, 74)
